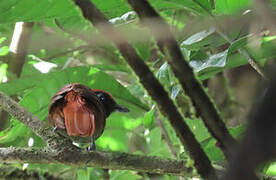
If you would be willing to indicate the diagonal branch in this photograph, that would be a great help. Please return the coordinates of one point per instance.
(107, 160)
(203, 103)
(153, 86)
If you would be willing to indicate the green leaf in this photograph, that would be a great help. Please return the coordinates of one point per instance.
(163, 74)
(124, 175)
(2, 39)
(149, 118)
(202, 40)
(199, 129)
(231, 6)
(143, 49)
(3, 71)
(175, 90)
(198, 37)
(239, 43)
(32, 10)
(190, 6)
(213, 61)
(4, 50)
(124, 18)
(157, 145)
(271, 171)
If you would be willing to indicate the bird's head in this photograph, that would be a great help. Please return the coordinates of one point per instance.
(109, 103)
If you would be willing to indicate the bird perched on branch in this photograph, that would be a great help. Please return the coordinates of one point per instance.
(81, 111)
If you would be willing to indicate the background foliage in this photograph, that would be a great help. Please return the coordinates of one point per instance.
(49, 65)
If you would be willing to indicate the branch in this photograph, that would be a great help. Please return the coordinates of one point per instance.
(153, 86)
(36, 125)
(202, 102)
(9, 172)
(106, 160)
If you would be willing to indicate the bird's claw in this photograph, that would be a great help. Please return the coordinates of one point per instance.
(93, 146)
(55, 128)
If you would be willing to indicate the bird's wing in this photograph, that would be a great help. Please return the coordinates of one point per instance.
(79, 120)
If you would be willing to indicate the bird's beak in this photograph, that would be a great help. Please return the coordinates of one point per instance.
(121, 108)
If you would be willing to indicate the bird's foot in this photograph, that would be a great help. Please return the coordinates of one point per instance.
(91, 148)
(54, 128)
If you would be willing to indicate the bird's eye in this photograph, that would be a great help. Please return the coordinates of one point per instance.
(102, 98)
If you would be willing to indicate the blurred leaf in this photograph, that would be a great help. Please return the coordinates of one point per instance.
(239, 43)
(157, 145)
(113, 139)
(163, 74)
(190, 6)
(124, 175)
(271, 171)
(124, 18)
(143, 49)
(175, 90)
(199, 129)
(198, 37)
(231, 6)
(57, 170)
(4, 50)
(19, 10)
(111, 67)
(202, 40)
(149, 119)
(3, 72)
(2, 39)
(213, 61)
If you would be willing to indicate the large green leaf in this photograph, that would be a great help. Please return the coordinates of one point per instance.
(32, 10)
(206, 66)
(213, 61)
(202, 40)
(231, 6)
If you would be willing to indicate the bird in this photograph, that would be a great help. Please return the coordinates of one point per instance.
(82, 111)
